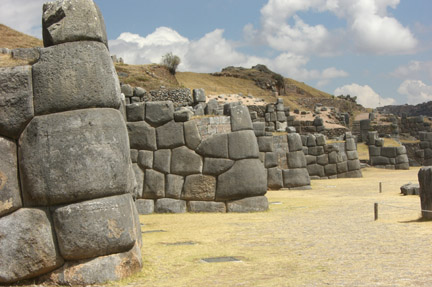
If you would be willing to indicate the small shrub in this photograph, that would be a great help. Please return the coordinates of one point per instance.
(171, 61)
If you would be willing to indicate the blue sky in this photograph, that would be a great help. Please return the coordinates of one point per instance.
(377, 50)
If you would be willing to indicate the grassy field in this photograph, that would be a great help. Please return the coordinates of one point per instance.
(13, 39)
(321, 237)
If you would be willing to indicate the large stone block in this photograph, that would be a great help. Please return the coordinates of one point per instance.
(73, 156)
(352, 155)
(240, 119)
(16, 100)
(247, 177)
(259, 128)
(274, 178)
(199, 187)
(10, 193)
(249, 204)
(145, 159)
(265, 144)
(145, 206)
(27, 245)
(139, 177)
(242, 145)
(296, 178)
(75, 76)
(374, 151)
(185, 161)
(98, 270)
(379, 160)
(350, 144)
(169, 205)
(294, 142)
(353, 164)
(162, 160)
(206, 206)
(192, 135)
(141, 136)
(425, 182)
(174, 186)
(198, 96)
(390, 152)
(159, 113)
(214, 146)
(216, 166)
(322, 159)
(271, 159)
(135, 112)
(108, 228)
(170, 135)
(296, 159)
(342, 167)
(154, 184)
(72, 21)
(316, 170)
(330, 169)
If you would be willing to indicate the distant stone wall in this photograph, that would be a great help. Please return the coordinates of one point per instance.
(425, 151)
(67, 214)
(386, 157)
(337, 160)
(414, 125)
(209, 164)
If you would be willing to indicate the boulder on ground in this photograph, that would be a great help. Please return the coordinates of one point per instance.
(410, 189)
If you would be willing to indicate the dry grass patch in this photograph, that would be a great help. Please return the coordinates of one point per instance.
(8, 61)
(12, 39)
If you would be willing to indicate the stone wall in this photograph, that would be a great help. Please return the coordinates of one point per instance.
(425, 151)
(66, 181)
(195, 165)
(414, 125)
(386, 157)
(337, 160)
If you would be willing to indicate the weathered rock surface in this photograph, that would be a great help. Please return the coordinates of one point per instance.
(57, 152)
(242, 145)
(206, 206)
(159, 113)
(214, 146)
(295, 178)
(185, 161)
(170, 135)
(216, 166)
(192, 135)
(72, 21)
(154, 184)
(16, 100)
(135, 112)
(145, 206)
(27, 245)
(162, 160)
(170, 205)
(199, 187)
(246, 178)
(410, 189)
(75, 76)
(10, 193)
(109, 227)
(240, 119)
(250, 204)
(174, 186)
(142, 136)
(425, 182)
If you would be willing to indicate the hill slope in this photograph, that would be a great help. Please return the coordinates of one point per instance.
(12, 39)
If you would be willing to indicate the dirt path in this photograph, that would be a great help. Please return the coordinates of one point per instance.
(321, 237)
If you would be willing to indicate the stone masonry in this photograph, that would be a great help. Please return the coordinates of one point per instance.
(67, 214)
(386, 157)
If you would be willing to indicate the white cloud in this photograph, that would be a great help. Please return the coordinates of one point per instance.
(416, 91)
(211, 53)
(414, 70)
(368, 28)
(366, 96)
(23, 15)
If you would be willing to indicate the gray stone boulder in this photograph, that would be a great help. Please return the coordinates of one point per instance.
(142, 136)
(27, 245)
(296, 178)
(240, 119)
(174, 186)
(139, 178)
(183, 115)
(154, 184)
(135, 112)
(71, 156)
(75, 76)
(199, 187)
(127, 90)
(162, 160)
(198, 96)
(159, 113)
(259, 128)
(139, 92)
(206, 206)
(10, 193)
(97, 270)
(274, 178)
(214, 146)
(145, 159)
(425, 182)
(216, 166)
(16, 100)
(109, 227)
(145, 206)
(212, 107)
(246, 178)
(294, 142)
(271, 159)
(249, 204)
(242, 145)
(72, 21)
(185, 162)
(170, 205)
(170, 135)
(296, 159)
(265, 144)
(316, 170)
(192, 135)
(410, 189)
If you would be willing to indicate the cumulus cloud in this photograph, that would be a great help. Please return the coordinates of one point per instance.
(23, 15)
(368, 29)
(366, 96)
(416, 91)
(414, 70)
(211, 53)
